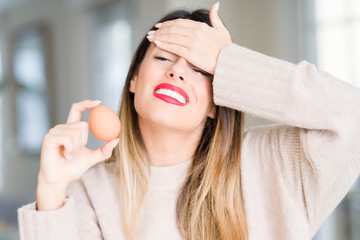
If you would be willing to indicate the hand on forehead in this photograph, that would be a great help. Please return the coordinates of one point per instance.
(195, 41)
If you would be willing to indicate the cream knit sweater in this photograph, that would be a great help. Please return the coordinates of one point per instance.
(293, 175)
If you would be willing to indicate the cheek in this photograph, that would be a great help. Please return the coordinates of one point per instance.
(146, 79)
(204, 92)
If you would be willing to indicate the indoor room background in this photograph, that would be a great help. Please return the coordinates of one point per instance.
(57, 52)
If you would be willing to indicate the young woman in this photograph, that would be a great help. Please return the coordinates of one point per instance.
(184, 168)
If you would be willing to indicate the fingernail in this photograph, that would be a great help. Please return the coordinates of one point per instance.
(97, 102)
(68, 157)
(151, 32)
(158, 25)
(217, 6)
(157, 42)
(116, 142)
(150, 37)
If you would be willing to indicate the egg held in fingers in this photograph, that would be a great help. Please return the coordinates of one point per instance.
(104, 123)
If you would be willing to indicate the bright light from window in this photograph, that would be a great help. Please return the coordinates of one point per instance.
(115, 44)
(29, 65)
(33, 120)
(29, 68)
(338, 38)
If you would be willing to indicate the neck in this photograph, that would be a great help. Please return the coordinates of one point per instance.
(168, 146)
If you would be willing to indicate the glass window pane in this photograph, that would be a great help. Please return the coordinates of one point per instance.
(115, 59)
(29, 62)
(32, 120)
(110, 44)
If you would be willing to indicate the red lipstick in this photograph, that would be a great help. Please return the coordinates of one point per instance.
(171, 94)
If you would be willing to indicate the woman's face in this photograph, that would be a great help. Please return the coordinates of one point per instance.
(169, 91)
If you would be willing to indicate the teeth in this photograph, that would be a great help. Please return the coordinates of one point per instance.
(172, 94)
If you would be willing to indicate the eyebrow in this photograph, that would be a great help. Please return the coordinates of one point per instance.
(173, 54)
(157, 49)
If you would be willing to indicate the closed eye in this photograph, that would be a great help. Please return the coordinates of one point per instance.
(202, 72)
(194, 69)
(161, 58)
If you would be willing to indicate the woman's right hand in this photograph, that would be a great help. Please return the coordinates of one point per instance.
(65, 158)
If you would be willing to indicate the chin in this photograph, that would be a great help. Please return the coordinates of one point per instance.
(168, 119)
(169, 116)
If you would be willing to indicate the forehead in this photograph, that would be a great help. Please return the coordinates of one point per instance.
(153, 49)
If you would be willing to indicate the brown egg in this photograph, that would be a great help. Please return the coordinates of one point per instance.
(104, 123)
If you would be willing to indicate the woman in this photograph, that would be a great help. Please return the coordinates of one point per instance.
(183, 168)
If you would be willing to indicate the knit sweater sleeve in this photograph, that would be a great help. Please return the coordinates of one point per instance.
(323, 118)
(74, 221)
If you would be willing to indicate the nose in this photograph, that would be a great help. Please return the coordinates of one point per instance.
(172, 75)
(177, 70)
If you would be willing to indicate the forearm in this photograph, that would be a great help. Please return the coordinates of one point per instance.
(75, 218)
(55, 224)
(297, 95)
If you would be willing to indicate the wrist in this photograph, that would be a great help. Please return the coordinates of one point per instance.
(50, 196)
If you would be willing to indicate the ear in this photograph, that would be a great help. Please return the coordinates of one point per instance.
(133, 84)
(212, 111)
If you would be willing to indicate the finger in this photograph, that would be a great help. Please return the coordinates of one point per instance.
(173, 48)
(170, 38)
(214, 17)
(179, 22)
(75, 135)
(69, 144)
(78, 108)
(174, 29)
(104, 152)
(78, 129)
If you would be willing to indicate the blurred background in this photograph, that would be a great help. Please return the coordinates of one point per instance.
(56, 52)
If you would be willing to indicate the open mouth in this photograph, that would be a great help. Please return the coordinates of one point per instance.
(171, 94)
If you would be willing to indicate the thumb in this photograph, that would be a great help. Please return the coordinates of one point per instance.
(104, 152)
(214, 16)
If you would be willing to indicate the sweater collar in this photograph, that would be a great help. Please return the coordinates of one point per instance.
(168, 177)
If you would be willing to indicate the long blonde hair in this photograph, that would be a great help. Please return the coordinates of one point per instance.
(209, 204)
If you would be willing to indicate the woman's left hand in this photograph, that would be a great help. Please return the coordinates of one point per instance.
(195, 41)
